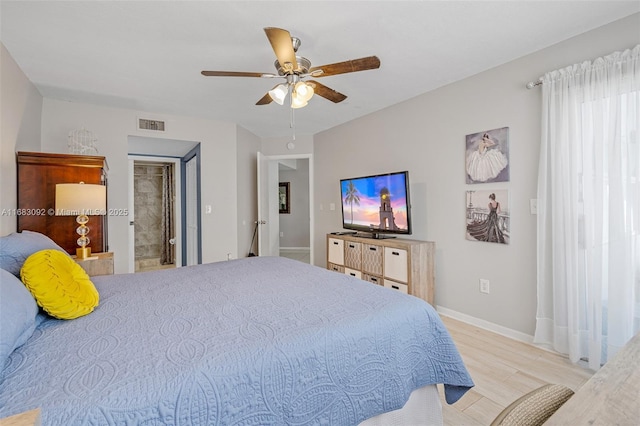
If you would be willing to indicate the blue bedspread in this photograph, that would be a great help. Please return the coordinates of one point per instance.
(254, 341)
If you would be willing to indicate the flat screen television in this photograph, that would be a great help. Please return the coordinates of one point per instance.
(377, 204)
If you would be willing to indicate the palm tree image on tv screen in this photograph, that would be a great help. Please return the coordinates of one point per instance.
(378, 204)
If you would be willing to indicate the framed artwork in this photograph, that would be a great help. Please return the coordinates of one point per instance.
(487, 156)
(284, 198)
(488, 216)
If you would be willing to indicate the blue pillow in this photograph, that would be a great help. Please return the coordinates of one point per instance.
(18, 312)
(16, 247)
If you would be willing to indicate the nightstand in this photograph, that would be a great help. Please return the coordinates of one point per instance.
(97, 264)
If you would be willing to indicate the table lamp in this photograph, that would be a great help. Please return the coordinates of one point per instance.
(81, 200)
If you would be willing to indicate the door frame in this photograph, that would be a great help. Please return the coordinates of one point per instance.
(194, 154)
(272, 191)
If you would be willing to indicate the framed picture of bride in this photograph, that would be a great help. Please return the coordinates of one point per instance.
(488, 216)
(487, 156)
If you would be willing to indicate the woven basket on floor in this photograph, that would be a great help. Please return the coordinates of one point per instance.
(534, 408)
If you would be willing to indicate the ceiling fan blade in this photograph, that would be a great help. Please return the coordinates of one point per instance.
(283, 47)
(235, 74)
(362, 64)
(266, 99)
(327, 92)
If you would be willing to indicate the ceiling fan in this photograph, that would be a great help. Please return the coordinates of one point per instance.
(295, 69)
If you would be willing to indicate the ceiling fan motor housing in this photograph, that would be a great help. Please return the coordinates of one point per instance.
(303, 66)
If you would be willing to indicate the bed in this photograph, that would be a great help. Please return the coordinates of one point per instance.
(255, 341)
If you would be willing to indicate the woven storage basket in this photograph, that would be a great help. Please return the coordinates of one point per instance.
(534, 408)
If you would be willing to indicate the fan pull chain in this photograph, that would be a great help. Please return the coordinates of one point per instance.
(292, 121)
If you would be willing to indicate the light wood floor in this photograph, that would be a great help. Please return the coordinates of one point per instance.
(296, 254)
(503, 370)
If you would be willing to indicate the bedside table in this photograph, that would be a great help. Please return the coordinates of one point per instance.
(97, 264)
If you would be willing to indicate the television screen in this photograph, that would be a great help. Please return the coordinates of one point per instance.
(378, 204)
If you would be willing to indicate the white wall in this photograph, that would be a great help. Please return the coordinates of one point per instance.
(20, 114)
(426, 135)
(302, 144)
(112, 127)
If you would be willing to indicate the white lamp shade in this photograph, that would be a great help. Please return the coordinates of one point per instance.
(73, 199)
(278, 93)
(298, 102)
(304, 90)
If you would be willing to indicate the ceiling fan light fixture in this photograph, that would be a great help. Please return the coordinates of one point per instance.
(304, 90)
(279, 93)
(297, 101)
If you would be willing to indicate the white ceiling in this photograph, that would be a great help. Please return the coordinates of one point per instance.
(147, 55)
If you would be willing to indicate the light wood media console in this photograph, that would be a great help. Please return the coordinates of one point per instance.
(400, 264)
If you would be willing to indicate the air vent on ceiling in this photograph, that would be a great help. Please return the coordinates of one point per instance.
(145, 124)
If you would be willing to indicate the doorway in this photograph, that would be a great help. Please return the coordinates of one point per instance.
(154, 188)
(183, 246)
(294, 230)
(268, 199)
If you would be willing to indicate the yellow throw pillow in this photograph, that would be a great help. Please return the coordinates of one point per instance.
(59, 285)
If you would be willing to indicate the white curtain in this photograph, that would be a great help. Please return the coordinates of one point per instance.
(589, 208)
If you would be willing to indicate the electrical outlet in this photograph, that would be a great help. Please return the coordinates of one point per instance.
(484, 286)
(281, 234)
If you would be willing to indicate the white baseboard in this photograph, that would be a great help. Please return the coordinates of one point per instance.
(486, 325)
(295, 248)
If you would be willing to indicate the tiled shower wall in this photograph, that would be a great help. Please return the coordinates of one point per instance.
(147, 209)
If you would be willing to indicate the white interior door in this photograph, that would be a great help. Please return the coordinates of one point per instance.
(268, 240)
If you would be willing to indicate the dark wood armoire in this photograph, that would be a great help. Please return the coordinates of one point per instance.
(38, 174)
